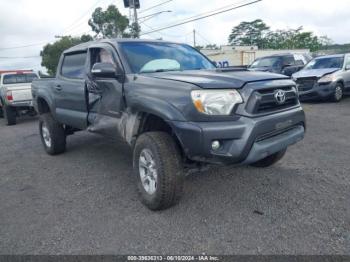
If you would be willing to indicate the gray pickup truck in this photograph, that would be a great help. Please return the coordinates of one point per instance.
(172, 106)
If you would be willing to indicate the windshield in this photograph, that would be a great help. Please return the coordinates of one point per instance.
(326, 62)
(275, 62)
(146, 57)
(19, 78)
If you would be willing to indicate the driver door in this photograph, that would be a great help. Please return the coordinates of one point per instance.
(105, 95)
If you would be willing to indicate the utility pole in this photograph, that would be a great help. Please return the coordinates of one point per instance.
(135, 13)
(134, 7)
(194, 37)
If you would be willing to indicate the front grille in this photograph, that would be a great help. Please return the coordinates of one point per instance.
(265, 101)
(275, 133)
(305, 84)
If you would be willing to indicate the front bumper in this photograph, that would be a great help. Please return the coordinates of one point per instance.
(243, 141)
(318, 92)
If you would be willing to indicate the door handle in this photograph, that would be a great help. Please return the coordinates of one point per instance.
(58, 87)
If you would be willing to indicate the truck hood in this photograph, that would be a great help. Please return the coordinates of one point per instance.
(217, 79)
(314, 72)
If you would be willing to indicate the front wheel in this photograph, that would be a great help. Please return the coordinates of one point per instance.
(270, 160)
(338, 93)
(52, 135)
(158, 169)
(10, 115)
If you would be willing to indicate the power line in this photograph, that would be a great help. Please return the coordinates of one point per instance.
(200, 35)
(163, 3)
(82, 16)
(163, 34)
(18, 57)
(23, 46)
(202, 17)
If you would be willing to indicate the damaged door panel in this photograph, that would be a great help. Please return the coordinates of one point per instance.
(105, 95)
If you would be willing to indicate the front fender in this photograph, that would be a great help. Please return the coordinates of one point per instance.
(157, 107)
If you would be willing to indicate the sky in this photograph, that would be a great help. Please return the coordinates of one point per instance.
(37, 22)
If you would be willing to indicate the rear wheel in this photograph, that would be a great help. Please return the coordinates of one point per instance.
(10, 115)
(158, 169)
(52, 135)
(270, 160)
(338, 93)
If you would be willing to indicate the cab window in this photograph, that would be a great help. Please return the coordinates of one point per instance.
(101, 55)
(74, 65)
(19, 78)
(288, 60)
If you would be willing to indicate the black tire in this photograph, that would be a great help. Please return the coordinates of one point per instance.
(338, 94)
(56, 134)
(1, 112)
(10, 115)
(168, 166)
(270, 160)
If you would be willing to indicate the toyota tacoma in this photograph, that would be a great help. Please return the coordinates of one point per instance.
(172, 106)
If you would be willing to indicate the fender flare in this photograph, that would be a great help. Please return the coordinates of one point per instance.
(157, 107)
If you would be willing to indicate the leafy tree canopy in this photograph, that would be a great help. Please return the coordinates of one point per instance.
(111, 23)
(51, 52)
(258, 33)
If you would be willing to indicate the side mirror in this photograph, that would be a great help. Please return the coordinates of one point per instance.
(106, 70)
(347, 67)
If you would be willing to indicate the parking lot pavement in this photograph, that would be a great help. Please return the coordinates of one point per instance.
(85, 202)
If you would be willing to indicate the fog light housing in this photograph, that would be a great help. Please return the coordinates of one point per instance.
(215, 145)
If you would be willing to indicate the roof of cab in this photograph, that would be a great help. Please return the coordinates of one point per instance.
(85, 46)
(330, 56)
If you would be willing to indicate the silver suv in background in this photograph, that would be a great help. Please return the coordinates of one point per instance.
(325, 77)
(16, 94)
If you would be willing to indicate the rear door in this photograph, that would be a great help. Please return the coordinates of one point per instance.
(70, 90)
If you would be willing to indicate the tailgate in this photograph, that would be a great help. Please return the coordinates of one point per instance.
(22, 95)
(20, 92)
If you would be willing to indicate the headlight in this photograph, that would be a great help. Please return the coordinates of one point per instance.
(327, 79)
(215, 102)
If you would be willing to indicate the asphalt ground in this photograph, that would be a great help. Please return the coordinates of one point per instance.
(85, 201)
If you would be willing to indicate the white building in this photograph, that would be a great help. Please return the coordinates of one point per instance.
(242, 55)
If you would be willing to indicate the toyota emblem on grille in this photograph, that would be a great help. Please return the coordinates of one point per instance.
(280, 96)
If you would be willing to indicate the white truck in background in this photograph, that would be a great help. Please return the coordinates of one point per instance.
(16, 94)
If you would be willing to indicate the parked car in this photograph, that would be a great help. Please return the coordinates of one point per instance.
(326, 77)
(172, 106)
(16, 94)
(285, 64)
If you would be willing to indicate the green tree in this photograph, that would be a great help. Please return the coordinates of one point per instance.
(258, 33)
(249, 33)
(51, 53)
(293, 39)
(109, 23)
(134, 30)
